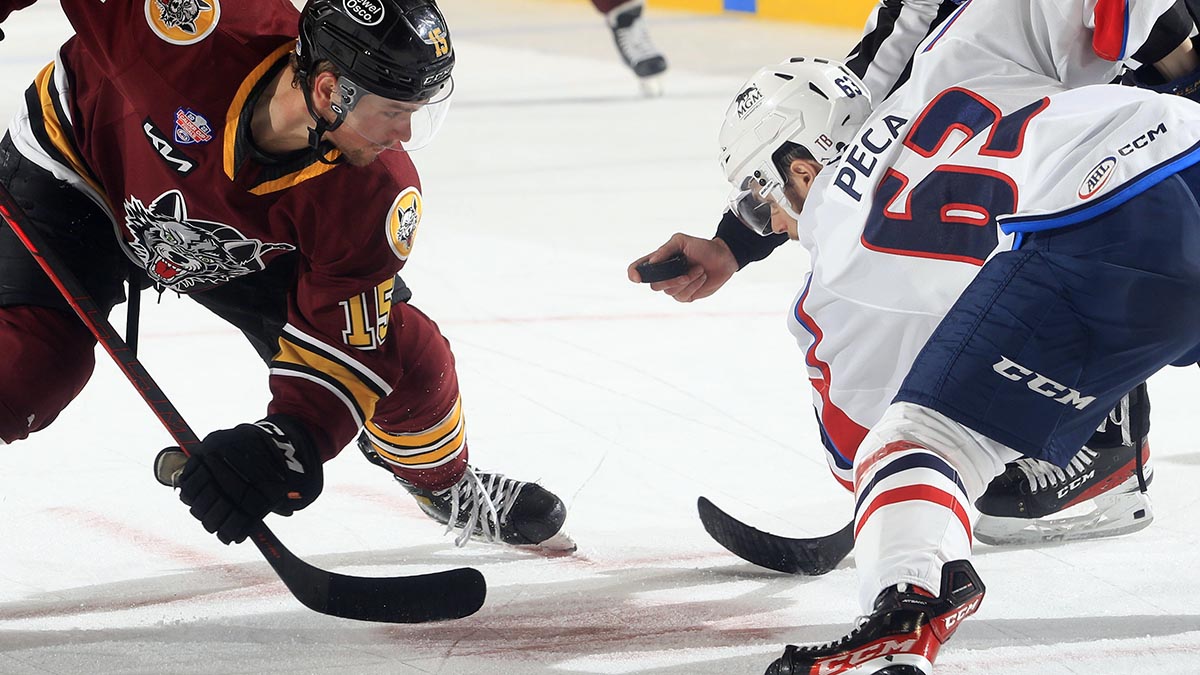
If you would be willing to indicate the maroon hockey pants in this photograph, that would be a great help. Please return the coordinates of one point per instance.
(606, 6)
(48, 357)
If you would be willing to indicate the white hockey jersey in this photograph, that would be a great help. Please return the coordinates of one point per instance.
(1006, 126)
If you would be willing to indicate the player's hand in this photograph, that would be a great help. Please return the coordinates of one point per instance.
(237, 476)
(712, 264)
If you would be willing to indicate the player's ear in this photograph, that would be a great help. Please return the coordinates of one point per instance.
(803, 171)
(323, 85)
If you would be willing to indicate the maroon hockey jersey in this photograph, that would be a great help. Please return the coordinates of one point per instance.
(147, 110)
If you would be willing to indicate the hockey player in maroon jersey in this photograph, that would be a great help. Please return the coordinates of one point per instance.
(256, 159)
(628, 25)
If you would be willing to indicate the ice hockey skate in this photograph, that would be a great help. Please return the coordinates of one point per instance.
(901, 636)
(1099, 494)
(635, 46)
(491, 508)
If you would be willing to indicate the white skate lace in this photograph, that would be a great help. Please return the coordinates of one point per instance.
(483, 502)
(1043, 475)
(634, 42)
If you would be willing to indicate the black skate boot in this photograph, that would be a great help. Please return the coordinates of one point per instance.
(636, 48)
(901, 636)
(1028, 503)
(490, 507)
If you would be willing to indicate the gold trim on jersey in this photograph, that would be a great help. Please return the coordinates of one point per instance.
(57, 129)
(426, 449)
(324, 368)
(237, 134)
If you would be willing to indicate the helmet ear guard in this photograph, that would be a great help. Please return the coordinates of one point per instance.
(809, 104)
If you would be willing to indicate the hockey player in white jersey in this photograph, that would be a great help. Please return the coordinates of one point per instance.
(1067, 304)
(1102, 489)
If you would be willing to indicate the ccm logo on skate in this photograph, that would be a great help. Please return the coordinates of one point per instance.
(843, 662)
(1041, 384)
(950, 621)
(1076, 484)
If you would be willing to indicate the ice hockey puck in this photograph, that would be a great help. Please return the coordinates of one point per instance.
(676, 265)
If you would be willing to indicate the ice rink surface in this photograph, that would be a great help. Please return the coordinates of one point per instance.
(550, 176)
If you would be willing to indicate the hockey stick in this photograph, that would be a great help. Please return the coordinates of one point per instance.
(809, 557)
(452, 594)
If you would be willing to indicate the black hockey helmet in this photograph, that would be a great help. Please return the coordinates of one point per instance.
(397, 49)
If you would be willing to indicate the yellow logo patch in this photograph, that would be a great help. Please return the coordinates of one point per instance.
(403, 219)
(183, 22)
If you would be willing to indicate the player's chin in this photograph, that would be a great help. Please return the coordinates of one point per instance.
(364, 156)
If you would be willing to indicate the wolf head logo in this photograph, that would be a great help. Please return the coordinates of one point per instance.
(181, 14)
(410, 215)
(185, 254)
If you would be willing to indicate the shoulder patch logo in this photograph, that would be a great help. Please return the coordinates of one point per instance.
(1097, 178)
(366, 12)
(191, 127)
(183, 22)
(184, 254)
(402, 222)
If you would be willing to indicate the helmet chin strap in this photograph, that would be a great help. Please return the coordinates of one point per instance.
(321, 124)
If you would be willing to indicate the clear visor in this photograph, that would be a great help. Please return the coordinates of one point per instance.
(754, 199)
(395, 125)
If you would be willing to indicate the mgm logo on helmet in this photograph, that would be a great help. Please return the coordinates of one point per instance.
(747, 101)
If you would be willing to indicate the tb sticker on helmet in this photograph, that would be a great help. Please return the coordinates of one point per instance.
(402, 221)
(183, 22)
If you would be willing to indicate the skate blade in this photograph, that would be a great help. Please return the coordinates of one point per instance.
(653, 86)
(561, 544)
(1113, 516)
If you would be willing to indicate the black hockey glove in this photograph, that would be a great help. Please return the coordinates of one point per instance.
(237, 476)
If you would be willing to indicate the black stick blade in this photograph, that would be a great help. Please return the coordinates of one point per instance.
(808, 557)
(452, 594)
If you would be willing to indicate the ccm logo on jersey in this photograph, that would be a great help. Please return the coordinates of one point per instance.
(1143, 140)
(844, 662)
(1043, 385)
(169, 153)
(183, 22)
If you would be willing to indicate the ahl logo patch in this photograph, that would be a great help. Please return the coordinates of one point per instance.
(747, 101)
(1097, 178)
(402, 222)
(183, 22)
(192, 128)
(184, 254)
(366, 12)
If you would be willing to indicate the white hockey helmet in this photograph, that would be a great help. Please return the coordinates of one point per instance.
(814, 103)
